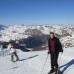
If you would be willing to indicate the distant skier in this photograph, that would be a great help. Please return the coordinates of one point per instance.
(13, 52)
(54, 48)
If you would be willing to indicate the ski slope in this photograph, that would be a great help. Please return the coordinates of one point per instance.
(32, 63)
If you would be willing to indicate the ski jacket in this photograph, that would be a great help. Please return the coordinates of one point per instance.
(57, 45)
(11, 49)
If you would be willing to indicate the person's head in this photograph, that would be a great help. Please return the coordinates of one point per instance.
(52, 35)
(17, 41)
(10, 43)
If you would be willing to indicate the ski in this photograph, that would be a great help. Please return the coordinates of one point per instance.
(58, 72)
(51, 73)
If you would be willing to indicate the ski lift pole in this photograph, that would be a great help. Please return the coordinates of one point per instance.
(44, 64)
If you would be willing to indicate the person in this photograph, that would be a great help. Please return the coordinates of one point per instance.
(55, 47)
(13, 52)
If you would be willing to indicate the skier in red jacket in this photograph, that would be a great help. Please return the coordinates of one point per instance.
(54, 48)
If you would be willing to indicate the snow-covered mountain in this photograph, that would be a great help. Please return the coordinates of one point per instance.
(32, 62)
(2, 27)
(17, 32)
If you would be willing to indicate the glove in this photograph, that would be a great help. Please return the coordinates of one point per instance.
(61, 51)
(48, 52)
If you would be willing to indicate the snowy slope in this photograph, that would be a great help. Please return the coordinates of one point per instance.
(32, 63)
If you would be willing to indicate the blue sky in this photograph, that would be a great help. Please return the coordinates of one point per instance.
(36, 12)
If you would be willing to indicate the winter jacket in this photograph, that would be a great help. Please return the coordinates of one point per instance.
(58, 46)
(11, 49)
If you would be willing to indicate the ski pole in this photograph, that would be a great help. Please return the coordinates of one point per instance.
(60, 58)
(44, 64)
(59, 63)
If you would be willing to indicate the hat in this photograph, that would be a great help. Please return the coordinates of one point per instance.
(51, 32)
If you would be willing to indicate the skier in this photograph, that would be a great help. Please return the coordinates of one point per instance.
(54, 48)
(13, 52)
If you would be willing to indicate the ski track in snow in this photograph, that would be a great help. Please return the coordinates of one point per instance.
(32, 63)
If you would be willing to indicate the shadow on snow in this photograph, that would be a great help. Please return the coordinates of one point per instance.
(67, 65)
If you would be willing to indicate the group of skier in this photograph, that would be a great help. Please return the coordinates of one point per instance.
(54, 47)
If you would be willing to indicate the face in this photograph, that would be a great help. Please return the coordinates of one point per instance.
(51, 36)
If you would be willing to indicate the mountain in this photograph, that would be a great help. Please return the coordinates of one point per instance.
(19, 32)
(2, 27)
(35, 38)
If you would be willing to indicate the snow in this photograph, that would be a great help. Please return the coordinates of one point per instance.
(17, 32)
(32, 62)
